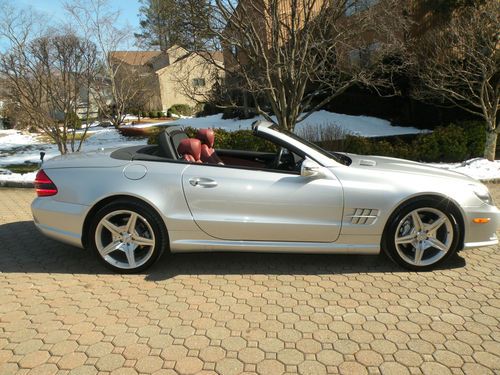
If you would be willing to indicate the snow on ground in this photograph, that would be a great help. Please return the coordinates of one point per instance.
(26, 178)
(18, 148)
(479, 168)
(357, 125)
(13, 138)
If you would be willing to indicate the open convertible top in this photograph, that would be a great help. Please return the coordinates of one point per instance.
(168, 142)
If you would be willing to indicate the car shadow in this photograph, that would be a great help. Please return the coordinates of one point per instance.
(24, 249)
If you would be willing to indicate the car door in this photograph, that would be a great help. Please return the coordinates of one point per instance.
(262, 205)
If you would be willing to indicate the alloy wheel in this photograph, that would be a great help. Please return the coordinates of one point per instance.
(125, 239)
(424, 236)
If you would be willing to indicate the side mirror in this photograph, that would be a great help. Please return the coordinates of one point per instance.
(310, 168)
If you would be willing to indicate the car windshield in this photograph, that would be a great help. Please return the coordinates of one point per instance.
(339, 158)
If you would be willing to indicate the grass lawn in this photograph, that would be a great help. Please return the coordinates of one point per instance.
(22, 168)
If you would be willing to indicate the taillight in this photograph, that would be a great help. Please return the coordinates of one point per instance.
(43, 185)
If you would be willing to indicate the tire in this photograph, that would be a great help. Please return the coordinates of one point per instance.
(422, 235)
(127, 236)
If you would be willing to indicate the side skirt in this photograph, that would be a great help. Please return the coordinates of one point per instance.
(181, 246)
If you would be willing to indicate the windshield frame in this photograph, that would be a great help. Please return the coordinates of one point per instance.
(317, 149)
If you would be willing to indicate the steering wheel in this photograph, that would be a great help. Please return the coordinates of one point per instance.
(277, 159)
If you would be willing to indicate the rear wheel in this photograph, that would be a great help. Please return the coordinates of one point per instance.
(422, 235)
(127, 237)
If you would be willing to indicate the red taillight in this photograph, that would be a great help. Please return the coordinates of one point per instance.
(43, 185)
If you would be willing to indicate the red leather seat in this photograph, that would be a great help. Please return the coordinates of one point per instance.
(208, 154)
(190, 150)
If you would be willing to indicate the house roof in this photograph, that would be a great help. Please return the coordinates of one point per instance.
(135, 57)
(173, 55)
(217, 55)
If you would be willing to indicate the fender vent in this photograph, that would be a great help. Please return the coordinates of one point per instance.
(367, 163)
(363, 216)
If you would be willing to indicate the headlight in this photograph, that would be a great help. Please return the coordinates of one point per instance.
(482, 193)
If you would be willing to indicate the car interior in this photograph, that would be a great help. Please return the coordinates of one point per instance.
(175, 144)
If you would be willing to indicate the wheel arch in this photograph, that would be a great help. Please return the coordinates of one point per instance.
(440, 200)
(104, 201)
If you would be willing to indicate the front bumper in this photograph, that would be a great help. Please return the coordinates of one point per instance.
(59, 220)
(480, 235)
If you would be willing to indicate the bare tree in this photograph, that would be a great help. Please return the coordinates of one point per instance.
(459, 63)
(45, 73)
(119, 83)
(294, 56)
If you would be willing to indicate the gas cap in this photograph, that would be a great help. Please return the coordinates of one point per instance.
(135, 171)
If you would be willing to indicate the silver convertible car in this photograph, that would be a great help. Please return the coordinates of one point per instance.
(129, 205)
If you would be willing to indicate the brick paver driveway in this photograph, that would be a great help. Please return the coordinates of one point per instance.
(61, 312)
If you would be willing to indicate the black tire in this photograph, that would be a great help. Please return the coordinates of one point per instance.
(388, 238)
(156, 223)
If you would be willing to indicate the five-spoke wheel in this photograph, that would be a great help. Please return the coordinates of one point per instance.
(421, 235)
(127, 236)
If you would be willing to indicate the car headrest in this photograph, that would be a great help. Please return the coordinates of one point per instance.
(165, 145)
(190, 146)
(206, 136)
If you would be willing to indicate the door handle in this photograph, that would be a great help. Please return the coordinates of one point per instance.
(202, 182)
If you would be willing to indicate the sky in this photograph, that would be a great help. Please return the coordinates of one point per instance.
(129, 9)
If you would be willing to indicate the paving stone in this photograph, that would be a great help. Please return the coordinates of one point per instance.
(369, 358)
(240, 313)
(71, 360)
(110, 362)
(214, 354)
(312, 367)
(432, 368)
(270, 367)
(394, 368)
(189, 366)
(148, 364)
(136, 351)
(26, 347)
(99, 350)
(229, 366)
(34, 359)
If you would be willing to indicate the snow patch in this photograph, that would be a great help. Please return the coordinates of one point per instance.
(18, 148)
(479, 168)
(365, 126)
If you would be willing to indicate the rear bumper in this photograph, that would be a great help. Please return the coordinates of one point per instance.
(480, 235)
(59, 220)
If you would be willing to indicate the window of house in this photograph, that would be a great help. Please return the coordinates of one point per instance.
(355, 6)
(199, 82)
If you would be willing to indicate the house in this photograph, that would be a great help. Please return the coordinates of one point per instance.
(174, 76)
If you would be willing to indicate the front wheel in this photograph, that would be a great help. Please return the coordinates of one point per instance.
(421, 235)
(127, 237)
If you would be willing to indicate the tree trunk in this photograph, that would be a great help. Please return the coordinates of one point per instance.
(491, 145)
(246, 112)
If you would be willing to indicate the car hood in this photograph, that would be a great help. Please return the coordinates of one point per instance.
(93, 159)
(386, 164)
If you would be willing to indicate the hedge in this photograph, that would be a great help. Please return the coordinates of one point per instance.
(182, 110)
(453, 143)
(235, 140)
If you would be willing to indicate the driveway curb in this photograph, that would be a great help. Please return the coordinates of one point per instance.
(17, 184)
